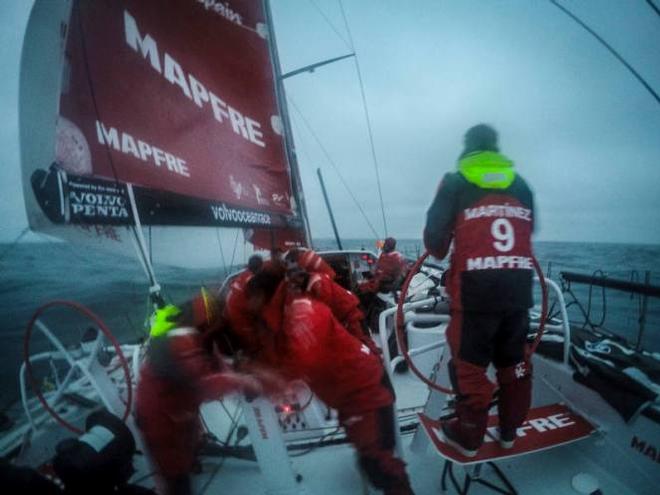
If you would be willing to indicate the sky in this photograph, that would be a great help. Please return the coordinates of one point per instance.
(582, 131)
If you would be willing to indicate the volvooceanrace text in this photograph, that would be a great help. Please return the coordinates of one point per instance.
(223, 213)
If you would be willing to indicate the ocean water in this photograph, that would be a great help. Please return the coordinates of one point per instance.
(115, 288)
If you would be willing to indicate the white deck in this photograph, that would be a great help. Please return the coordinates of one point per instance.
(333, 470)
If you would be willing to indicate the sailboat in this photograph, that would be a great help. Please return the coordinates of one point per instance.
(169, 115)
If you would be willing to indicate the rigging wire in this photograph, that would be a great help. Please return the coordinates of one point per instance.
(233, 254)
(611, 50)
(653, 6)
(334, 165)
(222, 253)
(151, 252)
(234, 425)
(332, 26)
(366, 113)
(150, 272)
(309, 159)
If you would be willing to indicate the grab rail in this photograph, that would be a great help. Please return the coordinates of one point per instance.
(564, 317)
(388, 313)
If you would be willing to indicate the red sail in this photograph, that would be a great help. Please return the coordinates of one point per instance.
(176, 97)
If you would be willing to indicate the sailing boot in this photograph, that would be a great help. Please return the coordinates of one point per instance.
(465, 433)
(515, 397)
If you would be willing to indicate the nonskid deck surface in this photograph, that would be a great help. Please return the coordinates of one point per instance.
(333, 470)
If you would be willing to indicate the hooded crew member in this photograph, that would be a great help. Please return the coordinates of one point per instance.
(487, 209)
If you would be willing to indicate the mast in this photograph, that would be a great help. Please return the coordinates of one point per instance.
(296, 181)
(327, 204)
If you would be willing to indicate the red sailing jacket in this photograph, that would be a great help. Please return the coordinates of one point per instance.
(240, 320)
(177, 376)
(491, 264)
(339, 368)
(311, 262)
(390, 267)
(343, 304)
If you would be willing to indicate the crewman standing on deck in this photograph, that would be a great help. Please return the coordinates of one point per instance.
(391, 267)
(487, 209)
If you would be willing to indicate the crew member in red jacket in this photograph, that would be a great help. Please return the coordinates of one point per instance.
(391, 267)
(389, 272)
(308, 343)
(176, 377)
(345, 305)
(310, 261)
(487, 209)
(237, 312)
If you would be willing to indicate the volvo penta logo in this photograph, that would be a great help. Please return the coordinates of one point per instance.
(90, 204)
(93, 201)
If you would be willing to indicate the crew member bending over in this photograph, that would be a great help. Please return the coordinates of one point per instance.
(308, 343)
(176, 377)
(345, 305)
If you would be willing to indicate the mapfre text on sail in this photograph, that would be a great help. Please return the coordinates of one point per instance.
(190, 86)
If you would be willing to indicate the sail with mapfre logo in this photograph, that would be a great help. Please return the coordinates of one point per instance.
(166, 115)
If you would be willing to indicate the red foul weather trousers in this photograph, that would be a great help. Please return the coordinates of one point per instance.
(476, 340)
(372, 435)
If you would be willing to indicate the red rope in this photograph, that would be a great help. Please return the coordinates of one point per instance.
(28, 365)
(399, 321)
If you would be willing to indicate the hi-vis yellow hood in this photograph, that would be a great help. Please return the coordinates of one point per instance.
(487, 169)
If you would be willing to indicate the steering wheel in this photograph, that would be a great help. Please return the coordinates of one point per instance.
(84, 368)
(399, 321)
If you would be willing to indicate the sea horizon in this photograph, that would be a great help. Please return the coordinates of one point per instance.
(116, 288)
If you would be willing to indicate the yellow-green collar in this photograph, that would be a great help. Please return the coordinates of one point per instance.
(487, 169)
